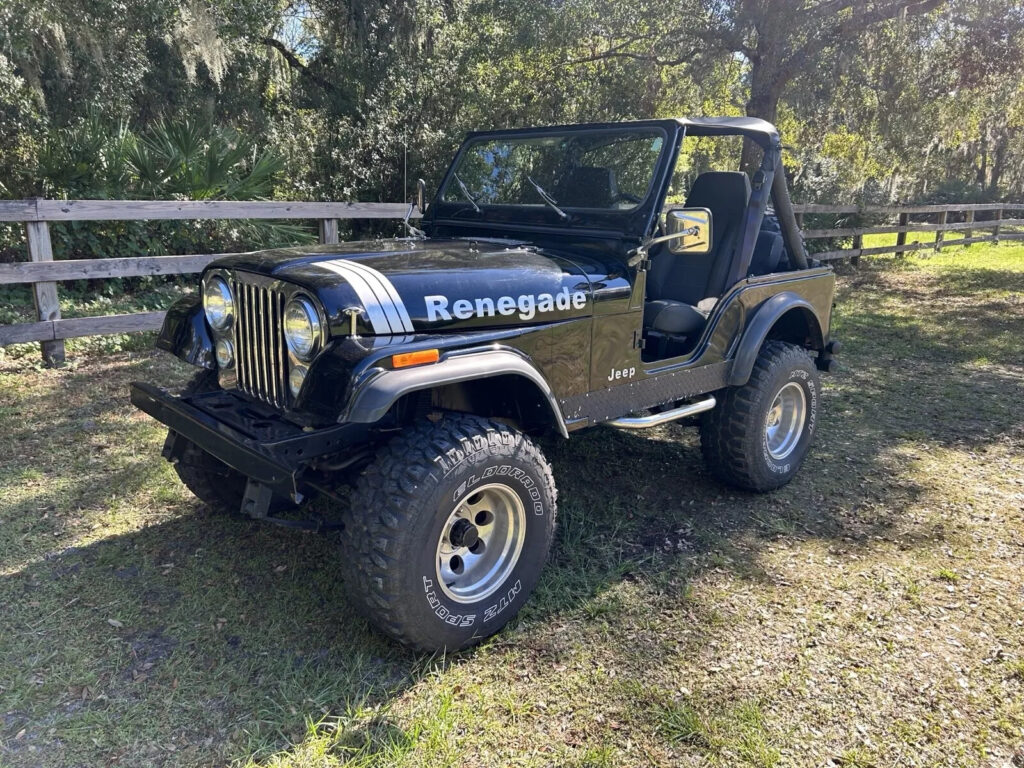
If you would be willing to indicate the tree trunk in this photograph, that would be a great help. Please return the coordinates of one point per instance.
(998, 163)
(765, 91)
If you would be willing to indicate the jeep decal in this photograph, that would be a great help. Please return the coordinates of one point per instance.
(526, 305)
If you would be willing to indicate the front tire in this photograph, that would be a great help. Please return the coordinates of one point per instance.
(213, 482)
(759, 434)
(448, 532)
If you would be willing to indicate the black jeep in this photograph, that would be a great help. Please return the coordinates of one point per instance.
(551, 289)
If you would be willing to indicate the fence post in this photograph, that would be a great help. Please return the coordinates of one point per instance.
(37, 234)
(901, 237)
(858, 246)
(968, 233)
(940, 232)
(995, 232)
(329, 231)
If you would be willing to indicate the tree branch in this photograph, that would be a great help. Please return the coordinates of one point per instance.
(829, 35)
(298, 64)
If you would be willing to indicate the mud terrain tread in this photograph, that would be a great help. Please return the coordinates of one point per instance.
(384, 502)
(726, 430)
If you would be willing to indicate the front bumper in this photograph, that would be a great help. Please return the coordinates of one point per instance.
(249, 437)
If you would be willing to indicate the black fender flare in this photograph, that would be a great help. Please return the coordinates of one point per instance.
(185, 334)
(765, 318)
(371, 400)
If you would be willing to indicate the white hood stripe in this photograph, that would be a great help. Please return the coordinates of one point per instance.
(382, 302)
(378, 320)
(402, 316)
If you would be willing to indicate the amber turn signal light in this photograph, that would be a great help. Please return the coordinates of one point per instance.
(406, 359)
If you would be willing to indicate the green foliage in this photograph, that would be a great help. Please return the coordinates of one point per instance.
(331, 99)
(171, 160)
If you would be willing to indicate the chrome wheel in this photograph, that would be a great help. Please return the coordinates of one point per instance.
(481, 543)
(785, 421)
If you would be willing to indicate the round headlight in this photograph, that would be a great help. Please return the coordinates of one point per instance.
(218, 303)
(301, 328)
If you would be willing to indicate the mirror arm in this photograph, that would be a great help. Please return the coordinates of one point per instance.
(416, 232)
(639, 253)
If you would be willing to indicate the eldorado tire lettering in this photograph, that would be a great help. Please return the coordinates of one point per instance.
(503, 470)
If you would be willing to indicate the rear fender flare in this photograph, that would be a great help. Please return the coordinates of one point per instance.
(374, 398)
(765, 318)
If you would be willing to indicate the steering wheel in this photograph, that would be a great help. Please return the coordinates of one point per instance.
(624, 197)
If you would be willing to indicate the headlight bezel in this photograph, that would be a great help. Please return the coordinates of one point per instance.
(315, 325)
(223, 322)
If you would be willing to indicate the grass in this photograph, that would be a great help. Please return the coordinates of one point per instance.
(869, 614)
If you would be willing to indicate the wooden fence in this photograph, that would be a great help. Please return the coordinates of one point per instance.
(962, 217)
(44, 273)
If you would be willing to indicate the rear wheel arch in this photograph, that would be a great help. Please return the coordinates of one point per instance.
(798, 326)
(785, 317)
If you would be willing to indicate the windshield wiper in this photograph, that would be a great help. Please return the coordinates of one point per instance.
(466, 193)
(548, 199)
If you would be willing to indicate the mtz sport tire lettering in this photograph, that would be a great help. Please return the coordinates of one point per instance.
(448, 531)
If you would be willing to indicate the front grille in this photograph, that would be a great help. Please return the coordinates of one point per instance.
(259, 340)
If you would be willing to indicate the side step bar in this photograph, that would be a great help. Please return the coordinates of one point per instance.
(655, 419)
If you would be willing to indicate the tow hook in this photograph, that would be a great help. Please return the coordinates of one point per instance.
(826, 358)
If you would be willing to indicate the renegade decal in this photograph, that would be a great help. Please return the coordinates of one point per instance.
(527, 306)
(383, 304)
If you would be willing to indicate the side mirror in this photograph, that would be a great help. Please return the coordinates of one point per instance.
(421, 195)
(688, 230)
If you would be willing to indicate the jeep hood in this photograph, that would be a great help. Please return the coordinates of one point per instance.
(410, 286)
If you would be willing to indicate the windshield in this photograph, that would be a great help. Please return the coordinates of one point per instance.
(608, 170)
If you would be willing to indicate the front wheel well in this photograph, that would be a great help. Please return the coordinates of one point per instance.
(510, 398)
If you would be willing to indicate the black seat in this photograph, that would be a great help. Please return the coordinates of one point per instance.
(586, 187)
(678, 283)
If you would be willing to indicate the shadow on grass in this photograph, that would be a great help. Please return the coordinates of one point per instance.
(222, 639)
(197, 640)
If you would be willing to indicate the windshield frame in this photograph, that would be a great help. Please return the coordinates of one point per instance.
(634, 221)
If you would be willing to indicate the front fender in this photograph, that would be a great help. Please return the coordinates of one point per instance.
(765, 318)
(184, 333)
(372, 399)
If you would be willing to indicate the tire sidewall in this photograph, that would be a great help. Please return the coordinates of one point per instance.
(454, 623)
(779, 471)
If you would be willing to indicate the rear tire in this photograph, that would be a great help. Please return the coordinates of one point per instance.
(757, 436)
(448, 532)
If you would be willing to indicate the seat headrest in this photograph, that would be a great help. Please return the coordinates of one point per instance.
(586, 187)
(716, 187)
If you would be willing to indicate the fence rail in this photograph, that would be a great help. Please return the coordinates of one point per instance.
(43, 273)
(1002, 228)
